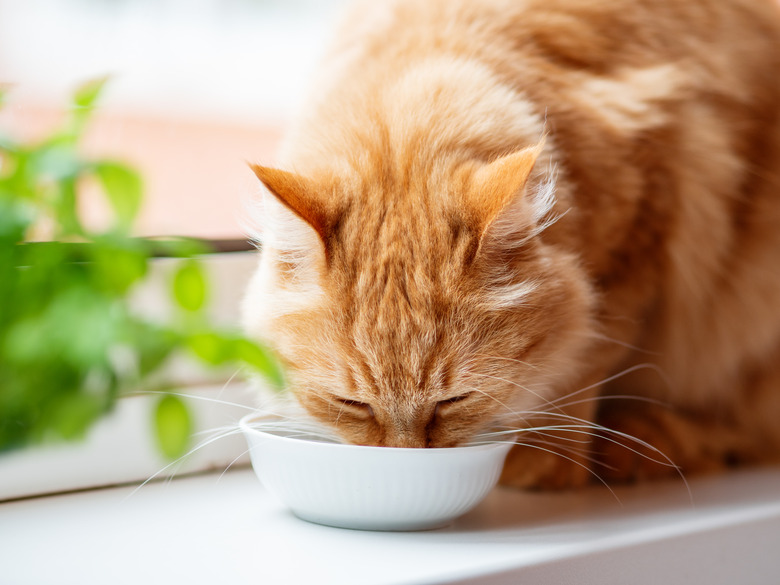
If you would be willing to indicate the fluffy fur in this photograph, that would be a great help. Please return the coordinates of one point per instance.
(499, 216)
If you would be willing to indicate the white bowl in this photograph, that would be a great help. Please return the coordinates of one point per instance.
(372, 488)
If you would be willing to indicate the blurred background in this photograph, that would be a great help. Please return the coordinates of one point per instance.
(197, 88)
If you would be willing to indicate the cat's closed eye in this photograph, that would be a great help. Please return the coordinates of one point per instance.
(354, 407)
(448, 403)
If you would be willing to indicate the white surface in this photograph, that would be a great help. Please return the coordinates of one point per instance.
(205, 531)
(373, 488)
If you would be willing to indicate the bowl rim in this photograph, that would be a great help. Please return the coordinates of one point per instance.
(244, 425)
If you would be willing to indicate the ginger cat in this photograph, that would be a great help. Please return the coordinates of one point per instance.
(549, 221)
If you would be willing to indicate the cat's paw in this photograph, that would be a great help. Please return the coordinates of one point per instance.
(528, 467)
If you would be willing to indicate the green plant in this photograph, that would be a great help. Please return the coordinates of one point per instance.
(70, 343)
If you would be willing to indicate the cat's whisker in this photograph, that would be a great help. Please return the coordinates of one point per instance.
(297, 427)
(233, 462)
(643, 399)
(594, 430)
(290, 424)
(542, 433)
(341, 411)
(572, 450)
(517, 361)
(589, 432)
(588, 426)
(572, 460)
(602, 337)
(194, 397)
(522, 387)
(494, 399)
(230, 380)
(179, 461)
(497, 433)
(212, 431)
(552, 445)
(614, 377)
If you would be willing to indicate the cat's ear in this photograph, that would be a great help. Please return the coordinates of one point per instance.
(305, 198)
(495, 186)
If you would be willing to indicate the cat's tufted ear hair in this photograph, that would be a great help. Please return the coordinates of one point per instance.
(495, 186)
(305, 198)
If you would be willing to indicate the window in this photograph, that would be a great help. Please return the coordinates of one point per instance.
(195, 91)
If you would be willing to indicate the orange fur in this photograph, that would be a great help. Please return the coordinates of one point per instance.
(444, 293)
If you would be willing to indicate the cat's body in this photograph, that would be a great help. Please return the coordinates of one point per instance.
(421, 295)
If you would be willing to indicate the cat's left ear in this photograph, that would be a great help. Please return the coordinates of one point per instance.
(305, 198)
(495, 186)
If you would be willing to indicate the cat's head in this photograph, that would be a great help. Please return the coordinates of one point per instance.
(417, 309)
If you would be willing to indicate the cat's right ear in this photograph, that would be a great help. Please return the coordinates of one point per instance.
(497, 185)
(305, 198)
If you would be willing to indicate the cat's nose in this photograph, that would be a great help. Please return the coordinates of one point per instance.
(408, 440)
(407, 435)
(408, 427)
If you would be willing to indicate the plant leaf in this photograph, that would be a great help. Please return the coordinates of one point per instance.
(117, 266)
(173, 426)
(124, 190)
(210, 347)
(55, 162)
(70, 415)
(88, 93)
(261, 360)
(189, 286)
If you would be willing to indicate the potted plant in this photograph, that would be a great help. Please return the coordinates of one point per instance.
(71, 342)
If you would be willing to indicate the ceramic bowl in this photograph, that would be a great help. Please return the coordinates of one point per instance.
(371, 488)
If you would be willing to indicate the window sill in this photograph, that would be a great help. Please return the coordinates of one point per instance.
(205, 530)
(121, 449)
